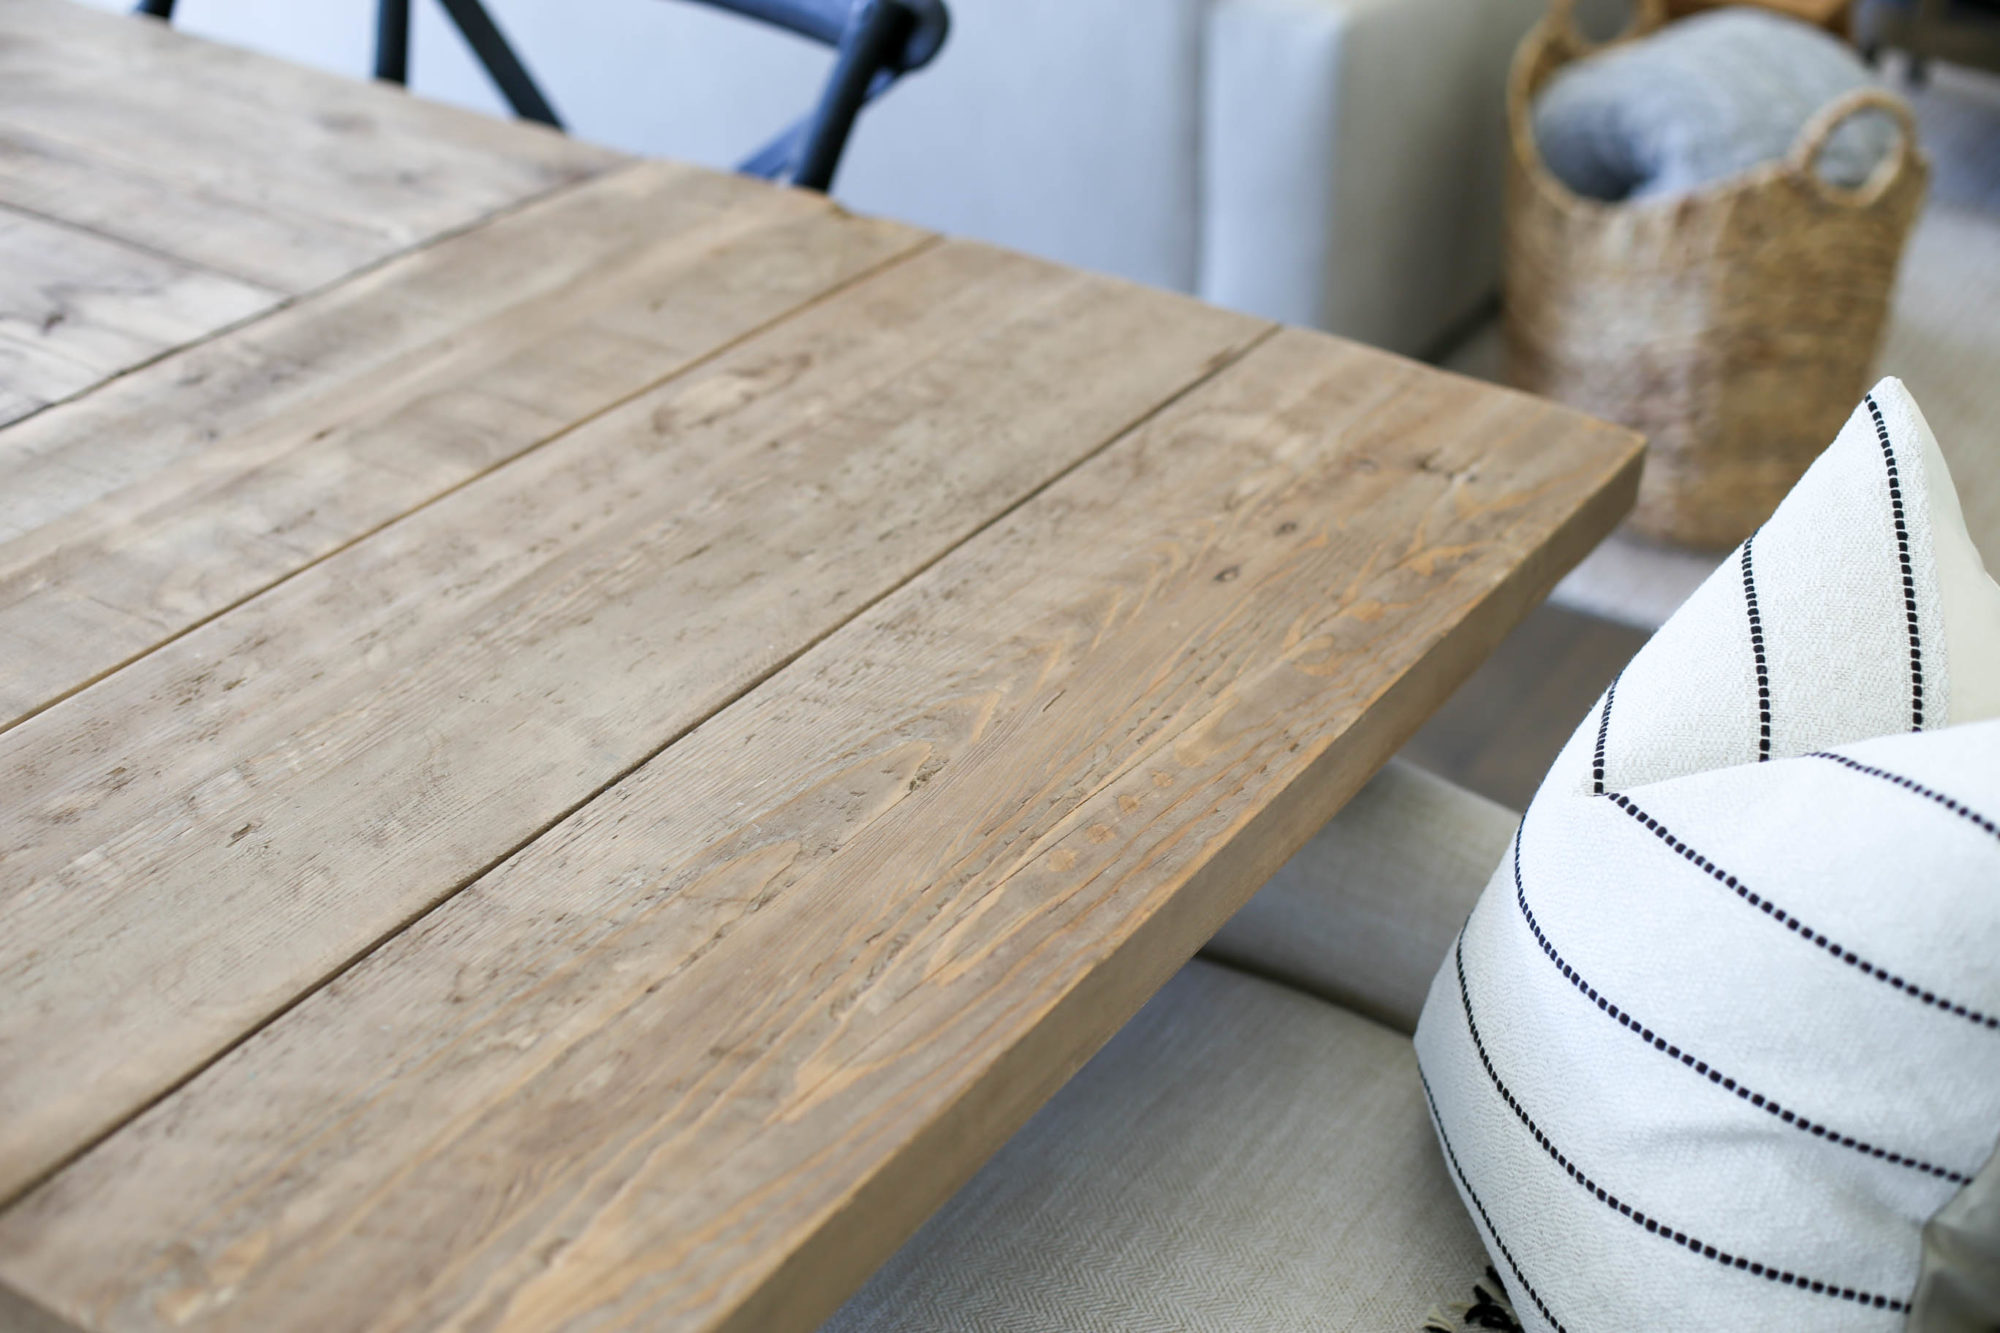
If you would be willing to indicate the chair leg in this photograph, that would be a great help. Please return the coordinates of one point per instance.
(392, 40)
(159, 9)
(504, 67)
(775, 159)
(877, 36)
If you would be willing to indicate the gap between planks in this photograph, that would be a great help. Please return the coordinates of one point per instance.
(892, 416)
(294, 174)
(922, 245)
(1218, 367)
(279, 295)
(285, 301)
(1533, 569)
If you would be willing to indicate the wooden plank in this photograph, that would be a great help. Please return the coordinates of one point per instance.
(706, 1052)
(295, 779)
(76, 308)
(283, 176)
(145, 508)
(262, 241)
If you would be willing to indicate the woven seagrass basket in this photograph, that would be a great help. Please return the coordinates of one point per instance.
(1736, 326)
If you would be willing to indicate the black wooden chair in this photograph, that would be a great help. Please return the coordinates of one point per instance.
(876, 42)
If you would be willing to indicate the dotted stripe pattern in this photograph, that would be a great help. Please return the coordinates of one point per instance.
(1673, 1052)
(1798, 927)
(1757, 655)
(1692, 1244)
(1437, 1122)
(1951, 803)
(1603, 731)
(1909, 570)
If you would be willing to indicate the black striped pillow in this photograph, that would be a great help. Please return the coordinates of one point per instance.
(1725, 1029)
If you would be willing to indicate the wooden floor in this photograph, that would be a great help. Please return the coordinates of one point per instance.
(1501, 731)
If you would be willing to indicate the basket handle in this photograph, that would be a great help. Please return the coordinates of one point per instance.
(1803, 160)
(1646, 16)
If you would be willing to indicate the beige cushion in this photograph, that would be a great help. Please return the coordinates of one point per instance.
(1240, 1157)
(1364, 914)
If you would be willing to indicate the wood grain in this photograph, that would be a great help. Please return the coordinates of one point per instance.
(295, 779)
(145, 508)
(76, 308)
(281, 176)
(707, 1051)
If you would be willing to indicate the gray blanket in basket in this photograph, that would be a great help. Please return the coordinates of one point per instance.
(1700, 101)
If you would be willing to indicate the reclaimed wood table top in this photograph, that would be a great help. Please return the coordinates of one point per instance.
(583, 739)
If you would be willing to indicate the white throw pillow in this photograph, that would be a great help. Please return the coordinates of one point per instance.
(1724, 1030)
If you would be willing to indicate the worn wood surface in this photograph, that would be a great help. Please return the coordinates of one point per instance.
(299, 777)
(169, 186)
(706, 1051)
(229, 160)
(76, 308)
(586, 774)
(137, 512)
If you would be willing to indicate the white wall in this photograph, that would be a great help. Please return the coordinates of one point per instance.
(1057, 127)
